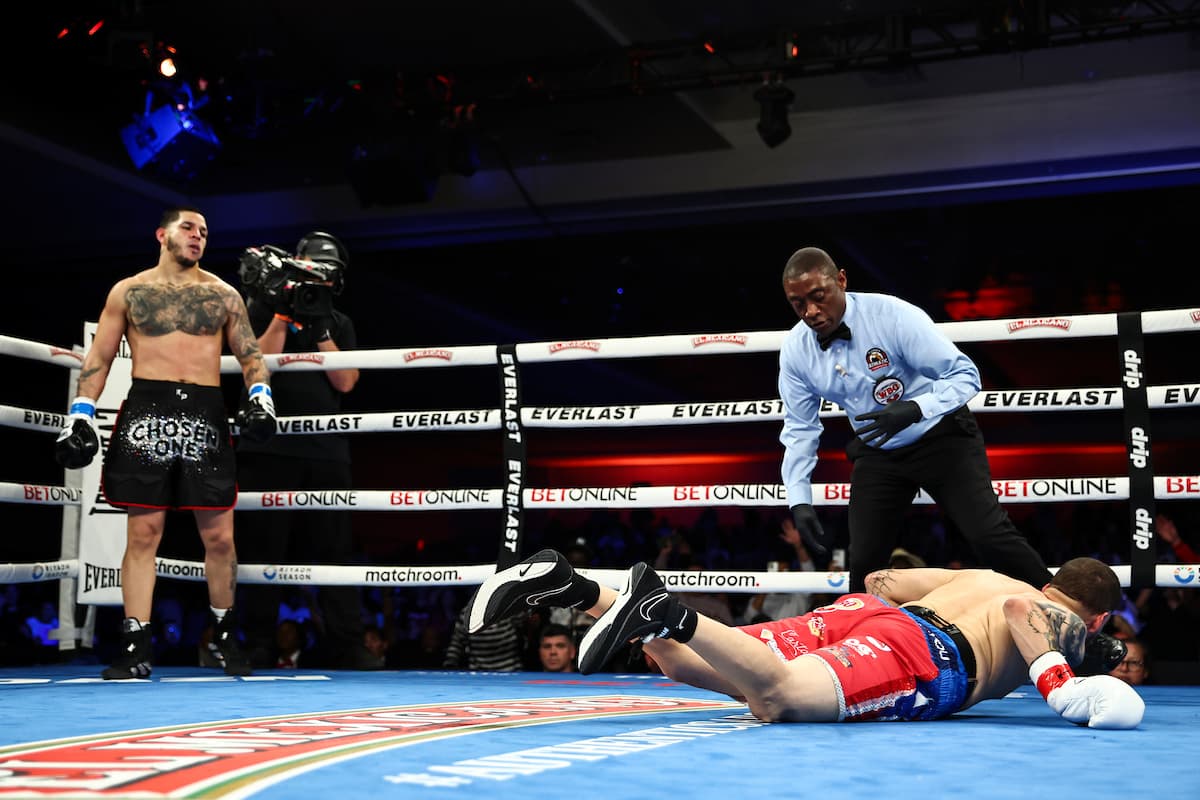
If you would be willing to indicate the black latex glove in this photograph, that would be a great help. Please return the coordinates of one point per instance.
(811, 532)
(1101, 655)
(886, 423)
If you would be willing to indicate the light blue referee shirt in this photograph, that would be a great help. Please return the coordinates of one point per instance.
(895, 353)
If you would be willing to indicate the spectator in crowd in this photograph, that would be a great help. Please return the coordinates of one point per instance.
(781, 605)
(377, 645)
(1134, 669)
(556, 649)
(1184, 553)
(500, 647)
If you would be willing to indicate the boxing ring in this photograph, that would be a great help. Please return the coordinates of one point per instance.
(424, 734)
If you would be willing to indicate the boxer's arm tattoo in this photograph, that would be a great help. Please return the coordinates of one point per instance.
(1062, 630)
(879, 582)
(244, 344)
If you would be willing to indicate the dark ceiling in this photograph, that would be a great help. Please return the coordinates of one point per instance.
(604, 115)
(294, 88)
(622, 189)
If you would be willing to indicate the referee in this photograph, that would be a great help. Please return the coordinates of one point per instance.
(905, 387)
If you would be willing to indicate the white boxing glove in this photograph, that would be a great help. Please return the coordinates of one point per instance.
(1099, 701)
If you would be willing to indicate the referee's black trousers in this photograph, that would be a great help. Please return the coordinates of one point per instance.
(950, 463)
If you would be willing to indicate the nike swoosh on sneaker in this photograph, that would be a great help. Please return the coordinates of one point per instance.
(648, 605)
(541, 597)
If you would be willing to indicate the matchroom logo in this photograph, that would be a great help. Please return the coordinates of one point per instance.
(229, 758)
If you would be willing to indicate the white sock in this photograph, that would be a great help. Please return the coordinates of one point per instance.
(219, 613)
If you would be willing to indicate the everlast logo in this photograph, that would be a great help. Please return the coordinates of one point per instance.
(1142, 533)
(1139, 450)
(512, 418)
(1133, 372)
(512, 506)
(95, 577)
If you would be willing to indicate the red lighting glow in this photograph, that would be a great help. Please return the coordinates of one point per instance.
(92, 30)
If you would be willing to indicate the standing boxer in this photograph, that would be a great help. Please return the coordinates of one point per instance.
(171, 446)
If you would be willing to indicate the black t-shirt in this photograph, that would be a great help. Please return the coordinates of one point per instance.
(304, 393)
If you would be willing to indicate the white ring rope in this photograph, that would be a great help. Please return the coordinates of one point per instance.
(1107, 398)
(737, 495)
(732, 582)
(1027, 490)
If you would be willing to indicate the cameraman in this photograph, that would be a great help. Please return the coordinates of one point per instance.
(301, 319)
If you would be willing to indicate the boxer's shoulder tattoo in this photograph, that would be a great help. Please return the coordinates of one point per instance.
(159, 309)
(1063, 630)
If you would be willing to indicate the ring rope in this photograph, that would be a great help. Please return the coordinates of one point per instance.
(737, 495)
(1107, 398)
(1023, 490)
(727, 581)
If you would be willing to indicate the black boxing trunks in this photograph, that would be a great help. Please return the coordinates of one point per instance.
(171, 449)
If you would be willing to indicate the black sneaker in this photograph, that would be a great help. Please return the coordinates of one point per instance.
(642, 611)
(134, 660)
(224, 646)
(538, 581)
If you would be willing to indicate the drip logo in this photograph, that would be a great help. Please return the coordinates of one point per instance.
(1142, 532)
(1133, 369)
(1139, 447)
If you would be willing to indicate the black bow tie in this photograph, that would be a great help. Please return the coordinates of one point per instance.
(842, 331)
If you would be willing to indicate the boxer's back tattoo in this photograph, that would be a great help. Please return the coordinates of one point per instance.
(156, 310)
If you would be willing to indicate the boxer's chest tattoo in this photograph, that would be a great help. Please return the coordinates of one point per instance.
(159, 310)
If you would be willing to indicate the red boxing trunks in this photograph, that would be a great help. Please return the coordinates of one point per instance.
(885, 663)
(171, 448)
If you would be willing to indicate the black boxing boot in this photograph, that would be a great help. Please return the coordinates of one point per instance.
(1101, 655)
(134, 659)
(224, 646)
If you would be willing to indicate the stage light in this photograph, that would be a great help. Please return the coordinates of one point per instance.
(171, 139)
(167, 68)
(773, 100)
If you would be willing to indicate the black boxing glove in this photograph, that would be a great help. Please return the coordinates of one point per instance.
(886, 423)
(1101, 655)
(811, 532)
(77, 443)
(256, 422)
